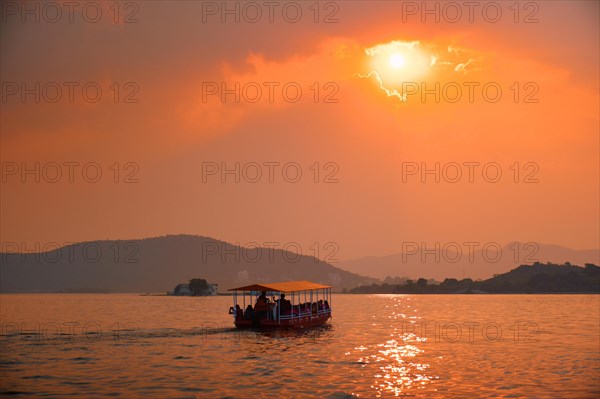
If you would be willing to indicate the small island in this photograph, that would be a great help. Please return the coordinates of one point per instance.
(196, 287)
(537, 278)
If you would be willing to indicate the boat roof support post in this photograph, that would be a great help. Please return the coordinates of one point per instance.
(292, 307)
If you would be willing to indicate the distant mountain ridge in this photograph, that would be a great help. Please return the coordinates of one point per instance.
(475, 264)
(158, 264)
(526, 279)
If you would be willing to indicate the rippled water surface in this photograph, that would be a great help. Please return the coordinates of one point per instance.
(542, 346)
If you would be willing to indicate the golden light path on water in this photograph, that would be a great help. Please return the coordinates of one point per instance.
(398, 369)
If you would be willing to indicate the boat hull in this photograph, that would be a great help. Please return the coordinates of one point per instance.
(295, 323)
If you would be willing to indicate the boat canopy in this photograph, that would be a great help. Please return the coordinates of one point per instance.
(285, 286)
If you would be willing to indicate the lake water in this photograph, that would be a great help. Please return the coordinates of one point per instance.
(464, 346)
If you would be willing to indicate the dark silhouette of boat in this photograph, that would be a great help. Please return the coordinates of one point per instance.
(308, 305)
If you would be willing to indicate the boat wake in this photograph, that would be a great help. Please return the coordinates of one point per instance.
(133, 333)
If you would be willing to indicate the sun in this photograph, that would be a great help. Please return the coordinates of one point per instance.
(397, 61)
(398, 66)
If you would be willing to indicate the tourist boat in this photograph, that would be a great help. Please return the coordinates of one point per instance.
(292, 304)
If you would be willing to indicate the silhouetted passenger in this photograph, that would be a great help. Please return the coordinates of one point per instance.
(261, 308)
(239, 313)
(284, 304)
(249, 314)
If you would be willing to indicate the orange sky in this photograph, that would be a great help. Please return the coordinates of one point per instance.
(364, 136)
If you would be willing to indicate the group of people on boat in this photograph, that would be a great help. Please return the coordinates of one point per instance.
(282, 306)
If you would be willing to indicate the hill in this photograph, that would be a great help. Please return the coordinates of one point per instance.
(456, 261)
(158, 264)
(526, 279)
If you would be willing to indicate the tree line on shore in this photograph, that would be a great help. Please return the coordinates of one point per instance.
(526, 279)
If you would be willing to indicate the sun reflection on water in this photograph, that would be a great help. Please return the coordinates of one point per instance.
(397, 365)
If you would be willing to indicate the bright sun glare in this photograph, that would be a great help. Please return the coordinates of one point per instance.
(395, 64)
(396, 61)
